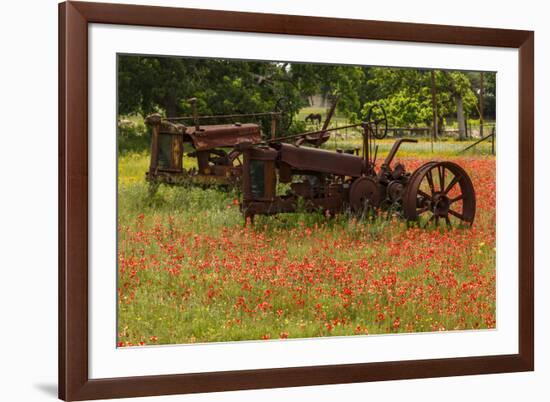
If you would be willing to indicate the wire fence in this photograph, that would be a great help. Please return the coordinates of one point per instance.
(475, 136)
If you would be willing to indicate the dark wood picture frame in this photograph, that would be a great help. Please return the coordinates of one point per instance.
(74, 382)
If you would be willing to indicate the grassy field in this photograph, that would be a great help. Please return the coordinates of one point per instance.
(190, 271)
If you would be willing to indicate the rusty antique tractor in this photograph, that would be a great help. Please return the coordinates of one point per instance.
(212, 147)
(437, 192)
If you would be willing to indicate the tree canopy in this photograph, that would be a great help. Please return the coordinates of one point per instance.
(164, 84)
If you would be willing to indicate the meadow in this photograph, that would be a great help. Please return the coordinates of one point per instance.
(189, 270)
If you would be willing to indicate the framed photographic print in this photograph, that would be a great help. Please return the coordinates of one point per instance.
(260, 200)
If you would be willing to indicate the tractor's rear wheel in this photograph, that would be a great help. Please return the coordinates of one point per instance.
(440, 193)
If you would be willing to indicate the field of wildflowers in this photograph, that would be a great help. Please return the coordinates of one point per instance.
(190, 271)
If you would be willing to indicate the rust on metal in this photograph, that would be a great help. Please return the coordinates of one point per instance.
(321, 161)
(223, 135)
(216, 157)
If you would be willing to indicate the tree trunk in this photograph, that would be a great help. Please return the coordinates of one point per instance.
(171, 108)
(435, 131)
(440, 126)
(460, 118)
(481, 94)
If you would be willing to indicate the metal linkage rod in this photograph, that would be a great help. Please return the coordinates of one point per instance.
(225, 116)
(477, 142)
(290, 137)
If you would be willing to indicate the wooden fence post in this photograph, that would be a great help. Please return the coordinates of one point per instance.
(493, 134)
(434, 110)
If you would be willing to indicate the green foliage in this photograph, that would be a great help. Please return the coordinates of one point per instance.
(404, 110)
(297, 127)
(489, 92)
(164, 84)
(406, 94)
(132, 134)
(147, 84)
(330, 80)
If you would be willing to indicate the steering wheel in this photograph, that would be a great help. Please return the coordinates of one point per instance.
(377, 110)
(283, 106)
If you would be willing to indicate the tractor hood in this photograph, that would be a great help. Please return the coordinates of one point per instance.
(320, 160)
(223, 135)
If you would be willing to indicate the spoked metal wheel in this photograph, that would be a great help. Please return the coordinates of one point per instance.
(440, 193)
